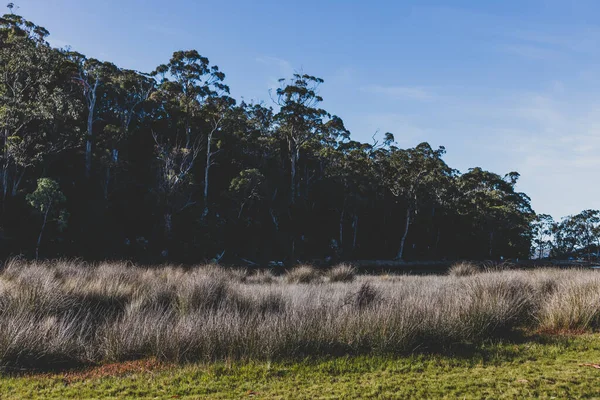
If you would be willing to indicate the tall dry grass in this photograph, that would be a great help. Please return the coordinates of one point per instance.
(61, 313)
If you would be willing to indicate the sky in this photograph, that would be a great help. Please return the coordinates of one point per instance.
(511, 85)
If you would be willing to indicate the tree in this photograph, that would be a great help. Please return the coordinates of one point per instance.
(580, 232)
(497, 212)
(542, 235)
(91, 76)
(300, 120)
(216, 111)
(415, 176)
(127, 91)
(37, 110)
(47, 200)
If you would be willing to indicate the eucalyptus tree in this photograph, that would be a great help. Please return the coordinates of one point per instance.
(415, 176)
(301, 122)
(497, 211)
(542, 235)
(36, 105)
(577, 233)
(91, 76)
(126, 93)
(352, 171)
(47, 199)
(185, 98)
(216, 111)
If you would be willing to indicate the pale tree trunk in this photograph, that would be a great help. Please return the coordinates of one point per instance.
(39, 241)
(5, 165)
(403, 241)
(355, 227)
(88, 144)
(491, 243)
(91, 103)
(206, 172)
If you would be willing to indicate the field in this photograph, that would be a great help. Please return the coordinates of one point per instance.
(68, 329)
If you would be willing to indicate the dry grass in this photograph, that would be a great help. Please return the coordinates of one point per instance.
(464, 268)
(66, 313)
(303, 274)
(341, 273)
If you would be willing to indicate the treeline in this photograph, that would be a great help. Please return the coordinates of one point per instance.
(574, 236)
(103, 162)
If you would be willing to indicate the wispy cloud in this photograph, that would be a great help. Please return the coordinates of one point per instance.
(582, 39)
(276, 68)
(58, 43)
(284, 67)
(403, 92)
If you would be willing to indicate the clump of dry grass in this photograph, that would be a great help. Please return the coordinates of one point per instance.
(341, 273)
(303, 274)
(60, 313)
(261, 276)
(463, 268)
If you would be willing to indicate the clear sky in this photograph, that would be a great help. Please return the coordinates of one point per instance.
(505, 85)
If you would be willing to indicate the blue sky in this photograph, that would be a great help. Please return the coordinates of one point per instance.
(505, 85)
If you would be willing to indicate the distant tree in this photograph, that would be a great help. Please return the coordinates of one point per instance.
(47, 199)
(497, 212)
(542, 235)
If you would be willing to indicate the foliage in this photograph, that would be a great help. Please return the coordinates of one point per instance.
(167, 165)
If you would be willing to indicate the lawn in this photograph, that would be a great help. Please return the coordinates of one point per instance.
(539, 367)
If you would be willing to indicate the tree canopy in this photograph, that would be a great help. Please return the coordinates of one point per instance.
(166, 165)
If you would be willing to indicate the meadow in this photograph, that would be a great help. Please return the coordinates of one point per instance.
(65, 314)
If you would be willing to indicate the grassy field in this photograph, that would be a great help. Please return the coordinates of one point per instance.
(130, 331)
(550, 367)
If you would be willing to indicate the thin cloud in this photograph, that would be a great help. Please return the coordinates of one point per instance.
(284, 67)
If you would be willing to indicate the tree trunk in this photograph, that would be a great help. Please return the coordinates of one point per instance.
(491, 243)
(355, 227)
(4, 179)
(114, 160)
(5, 166)
(401, 251)
(168, 225)
(294, 156)
(206, 171)
(17, 183)
(39, 241)
(88, 143)
(342, 228)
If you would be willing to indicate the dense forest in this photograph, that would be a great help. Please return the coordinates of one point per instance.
(103, 162)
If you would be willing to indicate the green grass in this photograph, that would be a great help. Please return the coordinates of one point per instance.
(539, 368)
